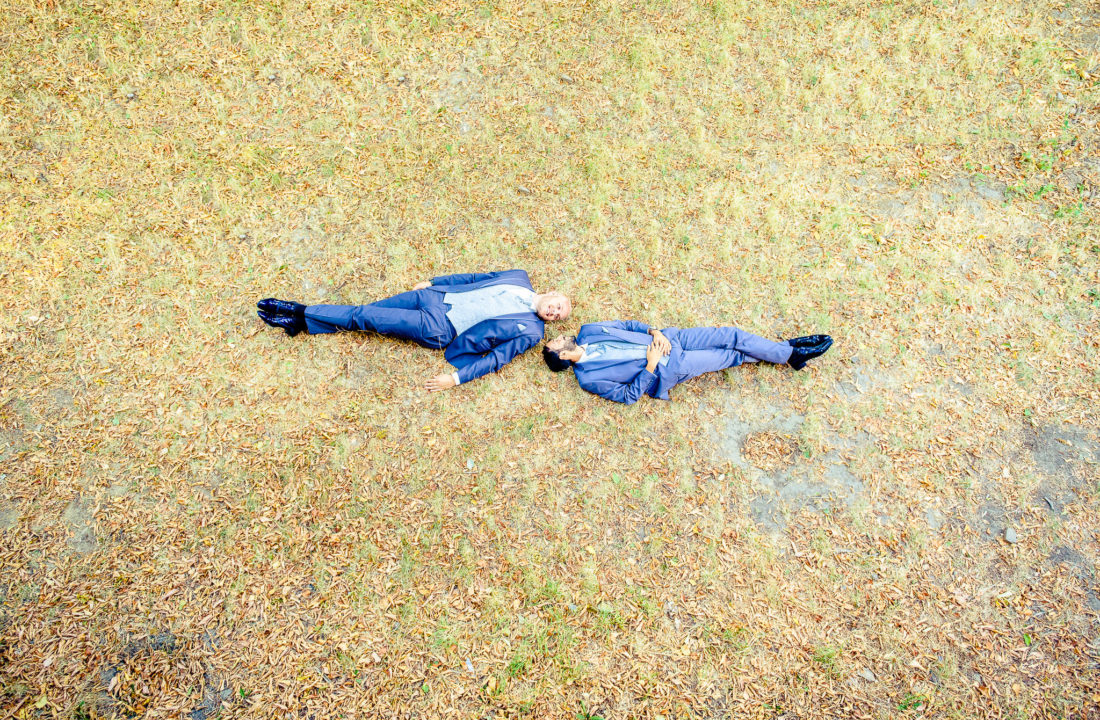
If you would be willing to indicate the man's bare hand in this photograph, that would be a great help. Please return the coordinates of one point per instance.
(652, 355)
(661, 342)
(440, 382)
(422, 285)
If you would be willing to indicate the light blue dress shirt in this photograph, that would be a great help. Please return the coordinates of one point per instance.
(616, 351)
(474, 306)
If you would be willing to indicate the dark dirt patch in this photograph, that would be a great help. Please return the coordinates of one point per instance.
(864, 380)
(1078, 29)
(837, 487)
(164, 642)
(78, 516)
(8, 518)
(161, 657)
(769, 451)
(766, 418)
(1065, 555)
(1082, 568)
(1063, 455)
(822, 486)
(991, 519)
(764, 445)
(212, 700)
(970, 196)
(63, 399)
(768, 514)
(1057, 449)
(11, 442)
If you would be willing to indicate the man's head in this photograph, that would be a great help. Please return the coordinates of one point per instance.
(553, 306)
(561, 352)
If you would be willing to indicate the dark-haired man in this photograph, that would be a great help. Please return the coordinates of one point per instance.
(481, 320)
(624, 360)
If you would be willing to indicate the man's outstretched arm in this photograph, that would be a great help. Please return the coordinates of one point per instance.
(457, 279)
(462, 278)
(491, 361)
(628, 325)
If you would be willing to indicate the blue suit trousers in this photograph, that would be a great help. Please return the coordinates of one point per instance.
(417, 315)
(709, 349)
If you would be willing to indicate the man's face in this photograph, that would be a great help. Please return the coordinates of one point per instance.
(554, 306)
(562, 342)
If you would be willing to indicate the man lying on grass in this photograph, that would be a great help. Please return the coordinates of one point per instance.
(481, 320)
(623, 360)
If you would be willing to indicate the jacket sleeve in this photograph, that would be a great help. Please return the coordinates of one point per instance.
(629, 326)
(628, 393)
(463, 278)
(496, 358)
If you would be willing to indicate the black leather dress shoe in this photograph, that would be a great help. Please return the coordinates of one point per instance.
(274, 306)
(292, 325)
(808, 340)
(807, 348)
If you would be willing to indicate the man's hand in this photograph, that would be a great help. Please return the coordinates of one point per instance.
(660, 341)
(440, 382)
(652, 355)
(422, 285)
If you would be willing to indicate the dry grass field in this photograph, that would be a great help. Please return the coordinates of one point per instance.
(200, 517)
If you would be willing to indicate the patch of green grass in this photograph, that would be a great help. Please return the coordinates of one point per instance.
(584, 714)
(828, 657)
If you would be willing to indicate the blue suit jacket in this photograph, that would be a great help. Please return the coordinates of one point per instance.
(491, 344)
(624, 381)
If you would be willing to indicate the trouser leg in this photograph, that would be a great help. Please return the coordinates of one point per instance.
(752, 346)
(411, 300)
(418, 315)
(694, 363)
